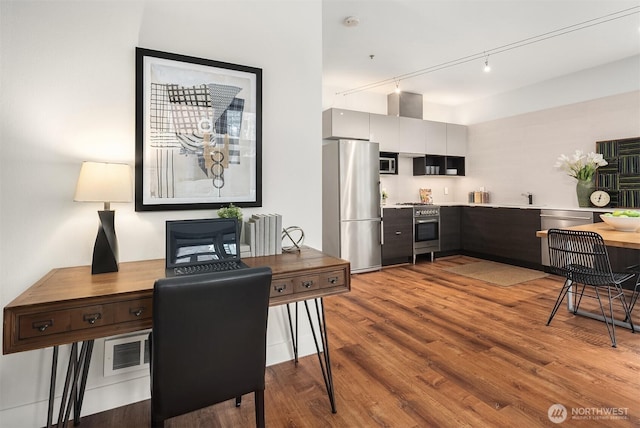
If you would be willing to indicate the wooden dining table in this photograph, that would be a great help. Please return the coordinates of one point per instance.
(611, 237)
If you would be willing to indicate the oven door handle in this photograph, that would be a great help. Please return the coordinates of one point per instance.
(426, 221)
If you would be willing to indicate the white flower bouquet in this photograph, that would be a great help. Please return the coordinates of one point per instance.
(581, 166)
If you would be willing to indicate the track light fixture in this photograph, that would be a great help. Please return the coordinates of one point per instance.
(497, 50)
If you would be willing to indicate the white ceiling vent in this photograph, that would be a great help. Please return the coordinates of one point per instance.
(351, 21)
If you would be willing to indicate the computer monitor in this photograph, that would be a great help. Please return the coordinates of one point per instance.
(193, 242)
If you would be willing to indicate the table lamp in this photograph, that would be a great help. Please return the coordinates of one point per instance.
(104, 182)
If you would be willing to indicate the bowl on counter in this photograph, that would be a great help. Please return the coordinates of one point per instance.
(451, 171)
(623, 224)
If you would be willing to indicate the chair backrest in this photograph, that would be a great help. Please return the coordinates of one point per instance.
(208, 342)
(580, 256)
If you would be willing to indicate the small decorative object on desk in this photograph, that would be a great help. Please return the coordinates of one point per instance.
(230, 212)
(425, 196)
(582, 167)
(293, 235)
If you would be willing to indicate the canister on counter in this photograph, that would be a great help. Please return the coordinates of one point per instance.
(477, 197)
(485, 197)
(471, 197)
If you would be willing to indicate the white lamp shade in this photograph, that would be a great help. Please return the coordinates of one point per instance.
(104, 182)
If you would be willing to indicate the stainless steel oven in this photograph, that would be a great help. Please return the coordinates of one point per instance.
(426, 230)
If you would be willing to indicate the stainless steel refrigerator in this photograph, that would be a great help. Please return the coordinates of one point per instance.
(351, 223)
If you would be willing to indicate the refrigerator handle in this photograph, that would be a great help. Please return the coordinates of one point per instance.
(382, 233)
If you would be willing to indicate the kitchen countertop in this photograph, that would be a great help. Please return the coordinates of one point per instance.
(504, 205)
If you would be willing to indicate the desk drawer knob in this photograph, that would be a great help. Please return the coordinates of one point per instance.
(333, 280)
(280, 288)
(136, 312)
(307, 284)
(42, 325)
(92, 318)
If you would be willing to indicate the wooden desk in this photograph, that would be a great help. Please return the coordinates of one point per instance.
(69, 305)
(611, 237)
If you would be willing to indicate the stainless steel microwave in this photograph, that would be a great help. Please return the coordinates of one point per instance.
(388, 164)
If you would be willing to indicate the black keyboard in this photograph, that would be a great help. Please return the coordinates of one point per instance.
(205, 268)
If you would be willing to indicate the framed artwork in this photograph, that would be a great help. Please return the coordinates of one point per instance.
(198, 133)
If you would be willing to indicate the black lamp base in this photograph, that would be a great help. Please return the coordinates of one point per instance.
(105, 250)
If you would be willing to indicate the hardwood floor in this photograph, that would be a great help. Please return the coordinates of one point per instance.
(415, 346)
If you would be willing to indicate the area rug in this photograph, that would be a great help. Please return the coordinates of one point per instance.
(496, 273)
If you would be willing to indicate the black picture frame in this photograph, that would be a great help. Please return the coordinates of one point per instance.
(198, 133)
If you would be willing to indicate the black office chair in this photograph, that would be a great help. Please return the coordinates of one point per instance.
(582, 258)
(208, 342)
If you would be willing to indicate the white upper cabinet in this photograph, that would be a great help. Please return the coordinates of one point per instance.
(383, 129)
(412, 135)
(456, 140)
(347, 124)
(435, 137)
(396, 134)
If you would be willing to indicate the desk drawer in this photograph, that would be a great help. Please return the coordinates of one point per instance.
(332, 279)
(68, 320)
(306, 283)
(44, 324)
(281, 287)
(91, 316)
(133, 310)
(75, 324)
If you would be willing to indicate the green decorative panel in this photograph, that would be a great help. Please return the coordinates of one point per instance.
(621, 177)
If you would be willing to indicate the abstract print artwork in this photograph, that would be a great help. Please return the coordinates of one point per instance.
(198, 133)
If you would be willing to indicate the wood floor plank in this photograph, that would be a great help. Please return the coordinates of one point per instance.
(416, 346)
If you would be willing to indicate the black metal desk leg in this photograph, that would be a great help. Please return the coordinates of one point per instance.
(294, 339)
(52, 385)
(325, 364)
(74, 385)
(83, 382)
(67, 381)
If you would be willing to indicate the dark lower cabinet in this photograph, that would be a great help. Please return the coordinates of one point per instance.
(397, 246)
(450, 230)
(502, 234)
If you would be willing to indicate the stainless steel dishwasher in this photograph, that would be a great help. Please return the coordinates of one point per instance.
(558, 219)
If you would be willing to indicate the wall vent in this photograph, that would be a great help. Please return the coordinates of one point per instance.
(125, 354)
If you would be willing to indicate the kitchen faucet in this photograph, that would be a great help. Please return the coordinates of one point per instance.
(530, 196)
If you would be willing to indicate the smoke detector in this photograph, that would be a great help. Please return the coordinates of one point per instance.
(351, 21)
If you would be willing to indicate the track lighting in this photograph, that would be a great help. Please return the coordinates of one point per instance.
(494, 51)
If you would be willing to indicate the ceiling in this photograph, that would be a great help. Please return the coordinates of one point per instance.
(406, 36)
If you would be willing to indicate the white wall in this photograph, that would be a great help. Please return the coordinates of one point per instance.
(68, 94)
(517, 154)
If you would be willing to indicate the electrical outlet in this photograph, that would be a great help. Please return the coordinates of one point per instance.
(446, 190)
